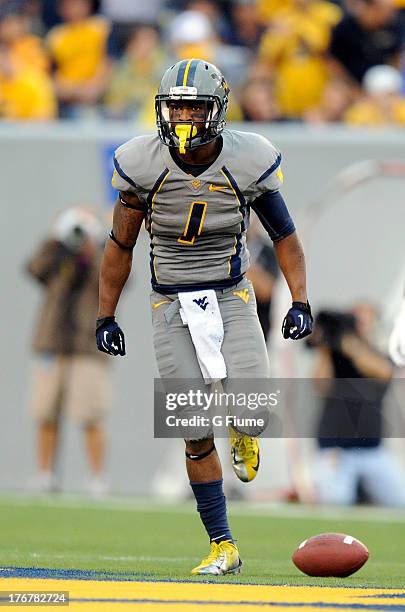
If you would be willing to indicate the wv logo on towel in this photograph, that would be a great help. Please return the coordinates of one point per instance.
(202, 302)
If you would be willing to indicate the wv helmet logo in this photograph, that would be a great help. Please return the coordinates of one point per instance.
(202, 302)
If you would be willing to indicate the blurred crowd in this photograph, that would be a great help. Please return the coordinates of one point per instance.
(314, 61)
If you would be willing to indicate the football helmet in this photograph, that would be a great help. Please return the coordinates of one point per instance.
(198, 80)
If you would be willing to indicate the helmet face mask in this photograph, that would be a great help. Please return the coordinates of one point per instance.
(209, 91)
(208, 127)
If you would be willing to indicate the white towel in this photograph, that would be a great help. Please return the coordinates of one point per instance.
(200, 311)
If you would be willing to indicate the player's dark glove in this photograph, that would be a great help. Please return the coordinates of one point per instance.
(110, 337)
(298, 321)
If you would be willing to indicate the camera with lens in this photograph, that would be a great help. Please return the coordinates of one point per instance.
(74, 226)
(329, 328)
(75, 238)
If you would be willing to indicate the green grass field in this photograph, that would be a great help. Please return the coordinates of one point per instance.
(153, 541)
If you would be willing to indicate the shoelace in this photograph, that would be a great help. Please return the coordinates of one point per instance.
(213, 554)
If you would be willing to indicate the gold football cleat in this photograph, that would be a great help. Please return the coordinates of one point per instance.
(223, 559)
(245, 454)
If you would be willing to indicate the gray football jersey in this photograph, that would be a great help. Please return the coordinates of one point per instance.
(197, 225)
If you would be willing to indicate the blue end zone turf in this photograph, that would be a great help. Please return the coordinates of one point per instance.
(67, 574)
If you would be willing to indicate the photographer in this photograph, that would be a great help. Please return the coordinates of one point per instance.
(353, 377)
(70, 375)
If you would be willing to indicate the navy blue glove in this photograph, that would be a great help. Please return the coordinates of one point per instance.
(110, 337)
(298, 321)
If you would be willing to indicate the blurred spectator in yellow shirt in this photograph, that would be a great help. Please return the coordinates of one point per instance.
(136, 76)
(294, 48)
(78, 50)
(382, 104)
(25, 48)
(25, 94)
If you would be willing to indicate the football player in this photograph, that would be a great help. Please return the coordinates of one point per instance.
(194, 184)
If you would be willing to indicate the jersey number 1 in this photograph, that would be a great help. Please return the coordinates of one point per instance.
(194, 223)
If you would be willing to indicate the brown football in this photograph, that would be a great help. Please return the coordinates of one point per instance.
(330, 554)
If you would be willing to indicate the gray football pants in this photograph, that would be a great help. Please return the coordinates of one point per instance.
(244, 348)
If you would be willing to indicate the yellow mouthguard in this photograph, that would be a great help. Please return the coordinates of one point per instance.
(184, 132)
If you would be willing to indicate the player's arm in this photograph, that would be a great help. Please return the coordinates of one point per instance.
(116, 264)
(275, 218)
(369, 361)
(291, 259)
(117, 259)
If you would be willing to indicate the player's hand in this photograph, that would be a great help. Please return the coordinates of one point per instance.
(298, 321)
(110, 337)
(397, 339)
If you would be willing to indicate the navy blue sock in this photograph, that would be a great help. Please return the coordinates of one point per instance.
(211, 505)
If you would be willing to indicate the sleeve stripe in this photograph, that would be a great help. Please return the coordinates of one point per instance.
(270, 170)
(122, 173)
(158, 184)
(239, 196)
(234, 186)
